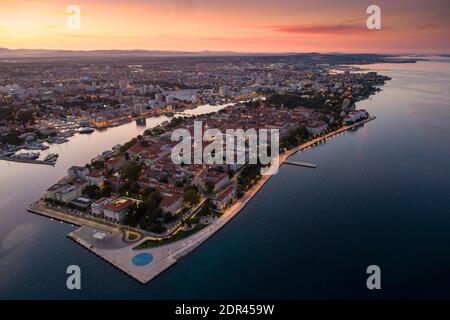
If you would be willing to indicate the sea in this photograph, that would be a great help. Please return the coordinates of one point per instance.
(380, 196)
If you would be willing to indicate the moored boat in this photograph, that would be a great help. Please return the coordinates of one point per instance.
(51, 157)
(86, 130)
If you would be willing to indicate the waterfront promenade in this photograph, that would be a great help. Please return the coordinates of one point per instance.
(325, 137)
(163, 257)
(39, 208)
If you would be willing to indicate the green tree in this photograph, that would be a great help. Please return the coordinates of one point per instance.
(25, 117)
(131, 171)
(168, 217)
(191, 196)
(134, 187)
(98, 165)
(92, 192)
(152, 201)
(209, 187)
(147, 191)
(107, 190)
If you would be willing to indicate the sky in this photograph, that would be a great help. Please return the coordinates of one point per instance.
(407, 26)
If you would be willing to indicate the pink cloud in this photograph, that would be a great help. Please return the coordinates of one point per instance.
(322, 29)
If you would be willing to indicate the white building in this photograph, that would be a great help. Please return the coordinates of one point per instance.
(172, 203)
(77, 172)
(68, 193)
(170, 99)
(225, 197)
(225, 91)
(356, 116)
(95, 178)
(51, 192)
(117, 209)
(98, 207)
(316, 127)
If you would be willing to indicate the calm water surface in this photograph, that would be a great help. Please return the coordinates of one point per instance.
(381, 195)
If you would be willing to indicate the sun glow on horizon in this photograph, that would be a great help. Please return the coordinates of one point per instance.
(250, 26)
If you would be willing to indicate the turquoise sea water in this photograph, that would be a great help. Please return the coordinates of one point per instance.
(381, 195)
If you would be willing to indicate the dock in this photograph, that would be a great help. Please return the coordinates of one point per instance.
(48, 163)
(301, 164)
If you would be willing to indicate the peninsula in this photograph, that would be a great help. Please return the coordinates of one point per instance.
(141, 212)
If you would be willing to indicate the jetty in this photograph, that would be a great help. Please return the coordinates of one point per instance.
(48, 163)
(301, 164)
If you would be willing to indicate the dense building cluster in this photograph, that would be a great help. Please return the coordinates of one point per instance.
(137, 183)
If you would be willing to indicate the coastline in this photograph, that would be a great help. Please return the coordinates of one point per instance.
(303, 222)
(165, 256)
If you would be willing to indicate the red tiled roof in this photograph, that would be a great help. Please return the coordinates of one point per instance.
(114, 160)
(214, 176)
(136, 148)
(170, 200)
(118, 205)
(224, 193)
(95, 174)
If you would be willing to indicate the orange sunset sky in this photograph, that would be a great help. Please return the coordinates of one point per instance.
(245, 25)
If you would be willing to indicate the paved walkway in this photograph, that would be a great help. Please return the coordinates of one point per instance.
(38, 208)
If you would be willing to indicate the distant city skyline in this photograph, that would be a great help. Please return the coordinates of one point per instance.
(270, 26)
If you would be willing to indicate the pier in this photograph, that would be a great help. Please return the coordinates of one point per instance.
(301, 164)
(48, 163)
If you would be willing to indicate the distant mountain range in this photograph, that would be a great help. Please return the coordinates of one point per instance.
(6, 53)
(46, 53)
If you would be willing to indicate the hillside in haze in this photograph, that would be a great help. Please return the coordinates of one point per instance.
(46, 53)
